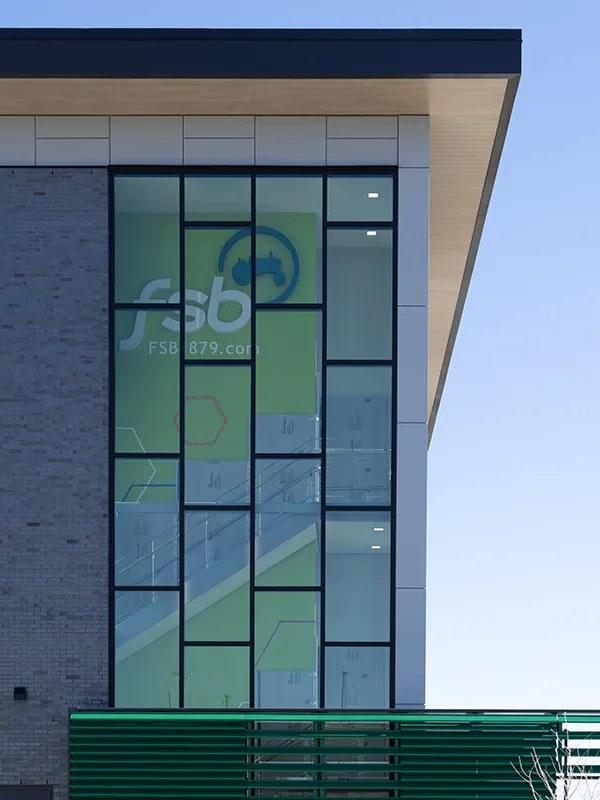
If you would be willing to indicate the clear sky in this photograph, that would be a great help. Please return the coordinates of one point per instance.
(514, 500)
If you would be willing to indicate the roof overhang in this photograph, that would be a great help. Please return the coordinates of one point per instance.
(465, 81)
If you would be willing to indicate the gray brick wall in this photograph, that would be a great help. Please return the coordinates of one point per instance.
(53, 462)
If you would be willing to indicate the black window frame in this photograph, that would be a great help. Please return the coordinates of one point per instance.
(256, 172)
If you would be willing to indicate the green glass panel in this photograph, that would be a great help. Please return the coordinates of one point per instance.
(146, 523)
(288, 523)
(288, 239)
(288, 390)
(217, 574)
(146, 649)
(146, 382)
(286, 648)
(217, 198)
(218, 287)
(146, 238)
(217, 677)
(217, 432)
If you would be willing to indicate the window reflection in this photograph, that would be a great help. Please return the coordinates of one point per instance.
(359, 435)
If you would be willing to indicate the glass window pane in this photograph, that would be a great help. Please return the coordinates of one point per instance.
(288, 239)
(146, 238)
(217, 575)
(360, 199)
(146, 523)
(286, 639)
(146, 381)
(217, 198)
(146, 649)
(288, 385)
(288, 495)
(217, 277)
(359, 294)
(359, 401)
(217, 432)
(357, 580)
(357, 677)
(217, 677)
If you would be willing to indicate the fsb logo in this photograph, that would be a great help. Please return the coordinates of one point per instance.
(198, 313)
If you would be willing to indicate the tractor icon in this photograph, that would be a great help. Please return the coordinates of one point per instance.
(264, 266)
(241, 271)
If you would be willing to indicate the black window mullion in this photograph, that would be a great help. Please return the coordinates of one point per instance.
(147, 588)
(288, 456)
(216, 224)
(323, 447)
(182, 352)
(111, 442)
(218, 362)
(288, 588)
(216, 643)
(252, 436)
(393, 472)
(360, 225)
(213, 507)
(143, 455)
(160, 306)
(289, 306)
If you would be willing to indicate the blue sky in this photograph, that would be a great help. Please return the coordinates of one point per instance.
(514, 550)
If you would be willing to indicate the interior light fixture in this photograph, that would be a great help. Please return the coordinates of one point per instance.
(377, 529)
(373, 195)
(371, 233)
(375, 547)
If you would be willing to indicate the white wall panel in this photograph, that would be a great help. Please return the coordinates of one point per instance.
(411, 506)
(362, 127)
(72, 127)
(290, 140)
(218, 151)
(17, 141)
(361, 152)
(410, 647)
(72, 152)
(218, 127)
(146, 140)
(413, 141)
(413, 237)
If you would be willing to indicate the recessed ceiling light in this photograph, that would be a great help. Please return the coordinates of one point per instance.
(377, 529)
(371, 233)
(373, 195)
(375, 547)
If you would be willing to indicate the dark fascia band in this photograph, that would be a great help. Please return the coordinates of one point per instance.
(289, 54)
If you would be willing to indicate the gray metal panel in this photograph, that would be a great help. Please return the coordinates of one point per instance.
(412, 364)
(410, 647)
(411, 506)
(413, 141)
(413, 237)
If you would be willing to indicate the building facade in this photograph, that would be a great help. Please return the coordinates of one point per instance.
(230, 294)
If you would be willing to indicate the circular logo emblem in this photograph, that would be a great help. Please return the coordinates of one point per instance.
(268, 265)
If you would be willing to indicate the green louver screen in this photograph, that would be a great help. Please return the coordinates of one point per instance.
(117, 756)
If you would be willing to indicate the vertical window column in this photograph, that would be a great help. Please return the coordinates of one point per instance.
(287, 489)
(360, 531)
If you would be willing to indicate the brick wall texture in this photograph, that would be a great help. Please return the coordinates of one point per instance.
(53, 463)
